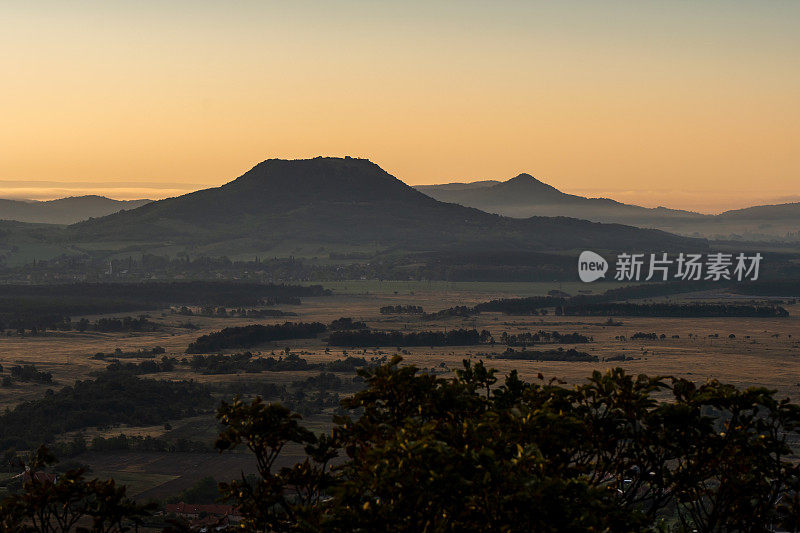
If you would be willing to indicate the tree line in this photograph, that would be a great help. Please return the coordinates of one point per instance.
(560, 354)
(543, 337)
(365, 338)
(112, 398)
(401, 310)
(687, 310)
(50, 306)
(254, 334)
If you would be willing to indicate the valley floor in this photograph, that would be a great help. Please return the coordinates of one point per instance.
(741, 351)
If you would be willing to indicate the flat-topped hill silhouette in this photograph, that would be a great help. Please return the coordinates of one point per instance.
(353, 201)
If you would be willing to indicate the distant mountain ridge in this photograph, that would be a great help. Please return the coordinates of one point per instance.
(64, 210)
(524, 196)
(348, 201)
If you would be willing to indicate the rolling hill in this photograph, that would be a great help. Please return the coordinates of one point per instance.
(524, 196)
(64, 210)
(347, 201)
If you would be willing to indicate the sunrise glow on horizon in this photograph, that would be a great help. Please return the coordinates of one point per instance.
(684, 104)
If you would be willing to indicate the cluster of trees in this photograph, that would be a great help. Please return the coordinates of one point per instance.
(402, 310)
(571, 355)
(26, 373)
(308, 403)
(533, 305)
(347, 323)
(147, 443)
(113, 297)
(423, 453)
(652, 290)
(49, 306)
(692, 310)
(128, 323)
(254, 334)
(417, 452)
(348, 364)
(543, 337)
(71, 502)
(241, 312)
(36, 324)
(324, 381)
(457, 311)
(204, 491)
(246, 362)
(78, 445)
(363, 339)
(141, 353)
(166, 364)
(607, 304)
(33, 321)
(112, 398)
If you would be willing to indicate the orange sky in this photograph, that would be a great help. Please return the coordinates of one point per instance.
(685, 104)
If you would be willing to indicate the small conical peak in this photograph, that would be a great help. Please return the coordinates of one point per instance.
(525, 181)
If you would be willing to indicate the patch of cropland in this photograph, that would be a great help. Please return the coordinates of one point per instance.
(689, 310)
(560, 354)
(112, 398)
(51, 306)
(254, 334)
(363, 339)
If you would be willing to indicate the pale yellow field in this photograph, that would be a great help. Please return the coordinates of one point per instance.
(770, 357)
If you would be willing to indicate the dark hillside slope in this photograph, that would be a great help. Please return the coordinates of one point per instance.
(350, 201)
(524, 196)
(64, 210)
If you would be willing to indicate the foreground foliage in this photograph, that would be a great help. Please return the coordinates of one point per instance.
(69, 503)
(424, 453)
(433, 454)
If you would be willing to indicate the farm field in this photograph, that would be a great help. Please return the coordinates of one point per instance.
(758, 342)
(741, 351)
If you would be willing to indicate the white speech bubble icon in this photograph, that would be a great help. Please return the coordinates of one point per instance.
(591, 266)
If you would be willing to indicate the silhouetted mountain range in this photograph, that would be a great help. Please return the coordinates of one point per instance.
(524, 196)
(348, 201)
(64, 210)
